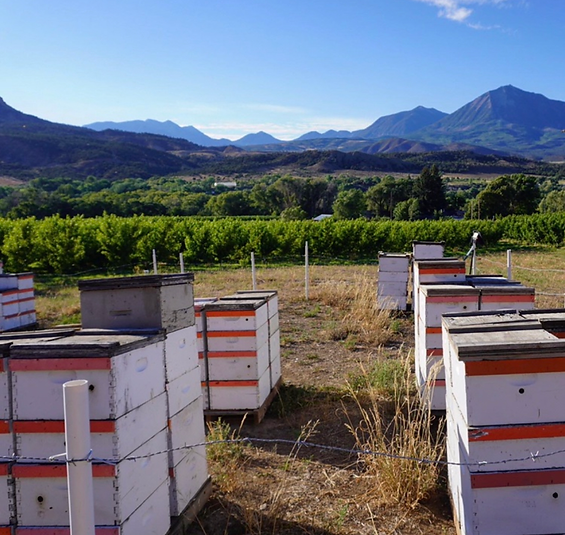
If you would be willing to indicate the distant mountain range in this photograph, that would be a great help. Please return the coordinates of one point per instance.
(507, 120)
(492, 134)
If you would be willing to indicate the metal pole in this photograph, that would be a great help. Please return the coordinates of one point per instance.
(253, 272)
(474, 260)
(181, 260)
(509, 264)
(306, 272)
(154, 262)
(79, 468)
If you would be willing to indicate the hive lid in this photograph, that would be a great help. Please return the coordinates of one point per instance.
(395, 255)
(229, 303)
(488, 280)
(440, 262)
(85, 345)
(447, 290)
(465, 321)
(200, 302)
(143, 281)
(254, 293)
(506, 290)
(557, 314)
(507, 345)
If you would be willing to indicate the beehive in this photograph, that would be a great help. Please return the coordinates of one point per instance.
(17, 301)
(392, 288)
(427, 250)
(505, 385)
(144, 390)
(435, 300)
(144, 302)
(239, 348)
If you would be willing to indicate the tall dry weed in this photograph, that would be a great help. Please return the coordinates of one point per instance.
(362, 318)
(404, 437)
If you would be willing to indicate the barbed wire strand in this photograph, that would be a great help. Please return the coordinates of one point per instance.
(60, 458)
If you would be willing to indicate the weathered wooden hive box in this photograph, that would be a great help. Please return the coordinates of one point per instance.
(505, 427)
(392, 288)
(427, 250)
(17, 301)
(144, 302)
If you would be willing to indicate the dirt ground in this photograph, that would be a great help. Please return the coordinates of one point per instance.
(274, 488)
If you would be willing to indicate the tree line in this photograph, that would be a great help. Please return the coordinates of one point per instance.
(425, 196)
(75, 244)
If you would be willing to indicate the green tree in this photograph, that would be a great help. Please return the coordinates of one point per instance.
(507, 195)
(350, 204)
(429, 190)
(553, 202)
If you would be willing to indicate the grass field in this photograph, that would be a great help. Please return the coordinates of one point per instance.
(347, 370)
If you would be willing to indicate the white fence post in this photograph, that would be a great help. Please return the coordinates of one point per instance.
(79, 467)
(154, 262)
(509, 264)
(181, 260)
(253, 272)
(306, 272)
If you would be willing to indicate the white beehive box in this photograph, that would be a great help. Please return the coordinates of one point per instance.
(435, 300)
(110, 439)
(181, 352)
(145, 302)
(392, 288)
(502, 378)
(5, 514)
(236, 395)
(427, 250)
(124, 371)
(188, 465)
(119, 490)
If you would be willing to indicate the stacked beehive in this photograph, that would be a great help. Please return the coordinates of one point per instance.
(165, 302)
(506, 436)
(17, 301)
(449, 274)
(392, 289)
(441, 287)
(239, 348)
(138, 352)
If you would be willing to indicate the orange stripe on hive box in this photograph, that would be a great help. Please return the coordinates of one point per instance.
(57, 470)
(228, 334)
(230, 384)
(433, 330)
(508, 298)
(516, 432)
(4, 427)
(58, 426)
(3, 469)
(453, 299)
(441, 271)
(514, 367)
(97, 363)
(434, 352)
(228, 354)
(517, 479)
(98, 530)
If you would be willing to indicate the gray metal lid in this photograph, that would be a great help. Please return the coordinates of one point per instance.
(142, 281)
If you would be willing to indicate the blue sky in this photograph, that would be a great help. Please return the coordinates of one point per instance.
(232, 67)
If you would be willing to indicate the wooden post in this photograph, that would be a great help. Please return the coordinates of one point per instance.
(154, 262)
(181, 260)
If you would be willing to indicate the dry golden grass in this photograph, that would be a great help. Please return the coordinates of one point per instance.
(402, 436)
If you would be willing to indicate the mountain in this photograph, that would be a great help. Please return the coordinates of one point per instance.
(400, 124)
(31, 147)
(506, 119)
(260, 138)
(330, 134)
(165, 128)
